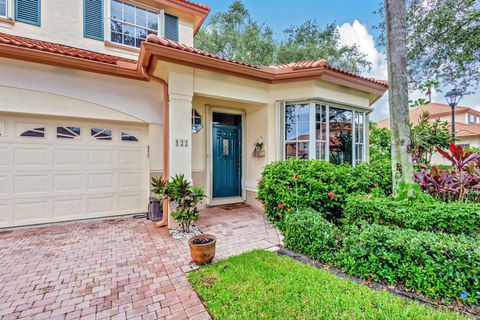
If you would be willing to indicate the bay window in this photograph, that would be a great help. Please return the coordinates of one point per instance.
(323, 132)
(297, 131)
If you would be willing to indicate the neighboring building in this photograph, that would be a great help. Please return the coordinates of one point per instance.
(467, 123)
(89, 111)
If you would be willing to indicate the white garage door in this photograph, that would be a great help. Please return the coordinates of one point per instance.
(56, 170)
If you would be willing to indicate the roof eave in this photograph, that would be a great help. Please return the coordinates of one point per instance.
(36, 56)
(268, 75)
(203, 62)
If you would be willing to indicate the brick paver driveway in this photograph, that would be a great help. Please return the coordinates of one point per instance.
(120, 268)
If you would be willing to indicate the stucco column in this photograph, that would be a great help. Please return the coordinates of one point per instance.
(180, 91)
(180, 151)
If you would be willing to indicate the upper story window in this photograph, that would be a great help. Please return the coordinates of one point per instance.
(318, 131)
(128, 22)
(3, 8)
(131, 24)
(472, 119)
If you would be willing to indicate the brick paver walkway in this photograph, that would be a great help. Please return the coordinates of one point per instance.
(118, 269)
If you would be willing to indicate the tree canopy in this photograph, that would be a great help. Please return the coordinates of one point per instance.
(443, 39)
(235, 35)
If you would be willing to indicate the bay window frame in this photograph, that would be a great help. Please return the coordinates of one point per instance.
(312, 103)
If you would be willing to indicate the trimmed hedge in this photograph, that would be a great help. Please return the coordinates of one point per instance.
(435, 216)
(439, 265)
(436, 264)
(321, 185)
(308, 232)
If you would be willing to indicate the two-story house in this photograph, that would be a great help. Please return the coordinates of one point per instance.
(97, 96)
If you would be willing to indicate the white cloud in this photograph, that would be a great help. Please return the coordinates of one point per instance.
(357, 34)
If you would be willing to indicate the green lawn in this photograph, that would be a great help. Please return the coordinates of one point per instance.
(262, 285)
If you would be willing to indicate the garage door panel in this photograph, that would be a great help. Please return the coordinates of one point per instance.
(31, 184)
(31, 157)
(101, 182)
(128, 159)
(5, 214)
(68, 208)
(4, 185)
(130, 180)
(5, 156)
(71, 158)
(101, 205)
(101, 159)
(68, 182)
(127, 203)
(32, 212)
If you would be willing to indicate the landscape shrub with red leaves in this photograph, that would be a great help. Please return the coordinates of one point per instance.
(460, 182)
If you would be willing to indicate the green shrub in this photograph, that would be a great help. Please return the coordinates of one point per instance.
(321, 185)
(433, 216)
(437, 264)
(308, 232)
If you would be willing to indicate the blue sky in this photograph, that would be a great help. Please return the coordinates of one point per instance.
(280, 14)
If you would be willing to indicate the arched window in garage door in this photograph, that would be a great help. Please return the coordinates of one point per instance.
(68, 132)
(34, 132)
(101, 134)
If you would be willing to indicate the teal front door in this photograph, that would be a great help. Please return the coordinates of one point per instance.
(226, 160)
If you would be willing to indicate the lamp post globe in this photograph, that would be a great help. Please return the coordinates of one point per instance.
(453, 97)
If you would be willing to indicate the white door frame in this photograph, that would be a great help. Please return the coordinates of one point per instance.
(210, 109)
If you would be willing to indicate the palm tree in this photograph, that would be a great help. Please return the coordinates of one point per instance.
(396, 23)
(428, 86)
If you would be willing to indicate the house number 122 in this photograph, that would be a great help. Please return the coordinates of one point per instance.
(183, 143)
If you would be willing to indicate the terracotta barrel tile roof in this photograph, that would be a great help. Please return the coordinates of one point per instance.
(434, 110)
(198, 5)
(274, 69)
(467, 130)
(60, 49)
(302, 65)
(321, 63)
(151, 38)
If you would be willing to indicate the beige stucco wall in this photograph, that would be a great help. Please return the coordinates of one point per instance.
(206, 83)
(44, 89)
(62, 22)
(30, 89)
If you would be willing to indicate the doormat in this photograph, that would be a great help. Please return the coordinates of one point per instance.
(234, 206)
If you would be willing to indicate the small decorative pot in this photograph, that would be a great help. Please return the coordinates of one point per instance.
(202, 248)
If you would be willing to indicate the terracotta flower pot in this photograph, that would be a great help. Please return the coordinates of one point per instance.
(201, 250)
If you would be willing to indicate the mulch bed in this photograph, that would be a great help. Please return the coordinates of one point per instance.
(396, 290)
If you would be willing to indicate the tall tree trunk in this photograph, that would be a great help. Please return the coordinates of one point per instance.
(396, 20)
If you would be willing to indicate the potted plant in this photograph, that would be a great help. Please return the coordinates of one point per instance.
(183, 199)
(202, 248)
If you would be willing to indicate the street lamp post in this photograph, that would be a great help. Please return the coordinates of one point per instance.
(453, 98)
